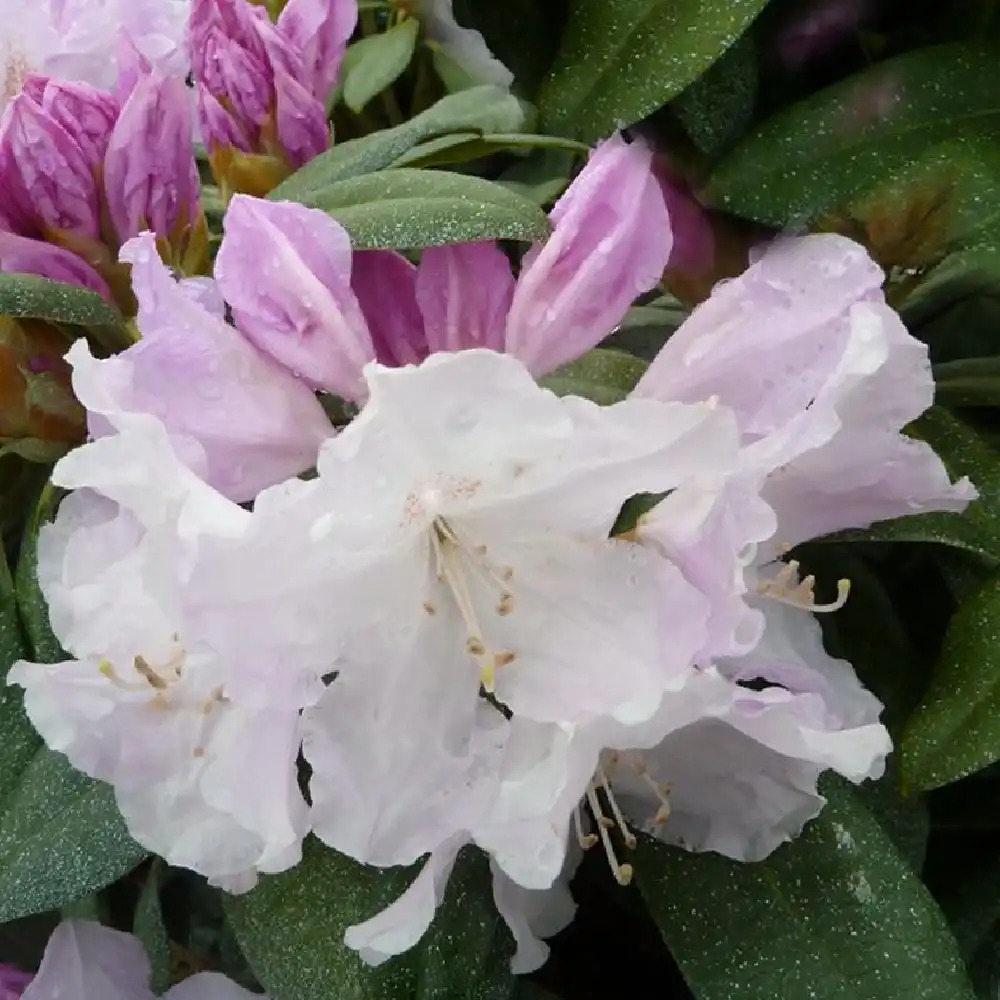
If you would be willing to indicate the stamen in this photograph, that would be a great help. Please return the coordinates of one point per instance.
(585, 840)
(143, 669)
(451, 569)
(429, 608)
(787, 588)
(627, 834)
(622, 872)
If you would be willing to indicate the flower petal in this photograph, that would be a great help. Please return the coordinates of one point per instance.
(610, 242)
(464, 292)
(285, 270)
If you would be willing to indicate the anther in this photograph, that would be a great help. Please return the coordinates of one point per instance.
(506, 605)
(429, 608)
(621, 872)
(585, 840)
(503, 658)
(475, 646)
(144, 670)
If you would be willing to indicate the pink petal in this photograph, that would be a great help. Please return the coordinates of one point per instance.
(385, 284)
(286, 270)
(464, 292)
(241, 421)
(610, 242)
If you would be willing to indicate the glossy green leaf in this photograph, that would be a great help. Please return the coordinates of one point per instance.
(603, 375)
(956, 728)
(462, 147)
(968, 382)
(719, 105)
(835, 144)
(964, 453)
(481, 109)
(291, 928)
(61, 836)
(30, 296)
(149, 929)
(373, 63)
(31, 604)
(404, 208)
(836, 914)
(622, 59)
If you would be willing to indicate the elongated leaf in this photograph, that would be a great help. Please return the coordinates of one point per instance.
(838, 143)
(622, 59)
(291, 928)
(149, 929)
(462, 147)
(31, 604)
(480, 109)
(27, 295)
(968, 382)
(405, 208)
(372, 64)
(603, 375)
(964, 453)
(956, 728)
(836, 914)
(61, 836)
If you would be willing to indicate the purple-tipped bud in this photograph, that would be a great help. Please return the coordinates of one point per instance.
(86, 113)
(255, 86)
(46, 174)
(150, 177)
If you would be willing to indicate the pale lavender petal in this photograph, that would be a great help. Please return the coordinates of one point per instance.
(464, 292)
(385, 284)
(767, 341)
(84, 959)
(242, 420)
(218, 127)
(402, 924)
(20, 255)
(150, 175)
(286, 272)
(320, 30)
(610, 242)
(13, 981)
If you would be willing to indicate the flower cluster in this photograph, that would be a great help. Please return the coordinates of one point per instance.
(448, 620)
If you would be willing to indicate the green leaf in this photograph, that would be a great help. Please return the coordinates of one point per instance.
(603, 375)
(31, 604)
(481, 109)
(719, 105)
(400, 209)
(956, 728)
(373, 63)
(836, 914)
(12, 645)
(291, 928)
(622, 59)
(462, 147)
(61, 836)
(964, 453)
(968, 382)
(832, 146)
(541, 177)
(148, 928)
(30, 296)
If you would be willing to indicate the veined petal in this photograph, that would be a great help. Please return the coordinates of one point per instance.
(286, 270)
(464, 292)
(610, 242)
(385, 284)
